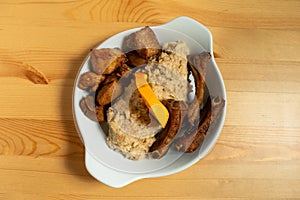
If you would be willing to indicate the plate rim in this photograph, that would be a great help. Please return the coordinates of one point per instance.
(131, 177)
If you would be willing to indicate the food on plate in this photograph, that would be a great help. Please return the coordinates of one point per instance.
(106, 60)
(143, 41)
(134, 59)
(169, 75)
(108, 67)
(100, 113)
(87, 105)
(110, 89)
(154, 105)
(164, 139)
(142, 93)
(105, 95)
(90, 80)
(191, 141)
(197, 64)
(131, 129)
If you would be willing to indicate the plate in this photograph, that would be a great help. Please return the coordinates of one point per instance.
(110, 167)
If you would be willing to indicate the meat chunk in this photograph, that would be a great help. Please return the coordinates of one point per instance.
(108, 93)
(106, 60)
(122, 70)
(143, 41)
(134, 59)
(87, 105)
(90, 80)
(109, 79)
(110, 87)
(95, 113)
(164, 138)
(100, 113)
(197, 64)
(190, 141)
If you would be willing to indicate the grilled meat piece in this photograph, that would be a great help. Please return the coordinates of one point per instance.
(143, 41)
(110, 88)
(95, 113)
(109, 79)
(122, 70)
(100, 113)
(134, 59)
(87, 105)
(108, 93)
(163, 139)
(106, 60)
(90, 80)
(197, 64)
(189, 142)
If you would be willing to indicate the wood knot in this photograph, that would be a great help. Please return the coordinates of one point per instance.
(34, 75)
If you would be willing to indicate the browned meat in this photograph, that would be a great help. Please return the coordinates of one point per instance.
(100, 113)
(110, 88)
(105, 61)
(143, 41)
(163, 139)
(134, 59)
(90, 80)
(197, 64)
(87, 106)
(95, 113)
(108, 93)
(122, 70)
(190, 142)
(109, 79)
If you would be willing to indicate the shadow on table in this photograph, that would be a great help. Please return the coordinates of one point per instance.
(74, 157)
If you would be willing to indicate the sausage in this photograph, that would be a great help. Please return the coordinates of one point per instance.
(163, 139)
(189, 142)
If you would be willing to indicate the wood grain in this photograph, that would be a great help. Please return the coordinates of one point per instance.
(256, 45)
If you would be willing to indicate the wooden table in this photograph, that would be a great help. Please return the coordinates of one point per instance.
(257, 45)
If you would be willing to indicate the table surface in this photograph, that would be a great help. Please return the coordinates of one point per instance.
(256, 44)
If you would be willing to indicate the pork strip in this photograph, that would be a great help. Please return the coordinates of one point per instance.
(190, 142)
(100, 113)
(163, 139)
(197, 65)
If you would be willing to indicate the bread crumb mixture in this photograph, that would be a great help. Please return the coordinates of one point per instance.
(132, 129)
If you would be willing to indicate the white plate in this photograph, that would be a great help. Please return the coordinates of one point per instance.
(112, 168)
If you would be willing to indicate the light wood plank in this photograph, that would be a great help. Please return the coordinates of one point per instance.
(23, 137)
(256, 45)
(61, 185)
(237, 14)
